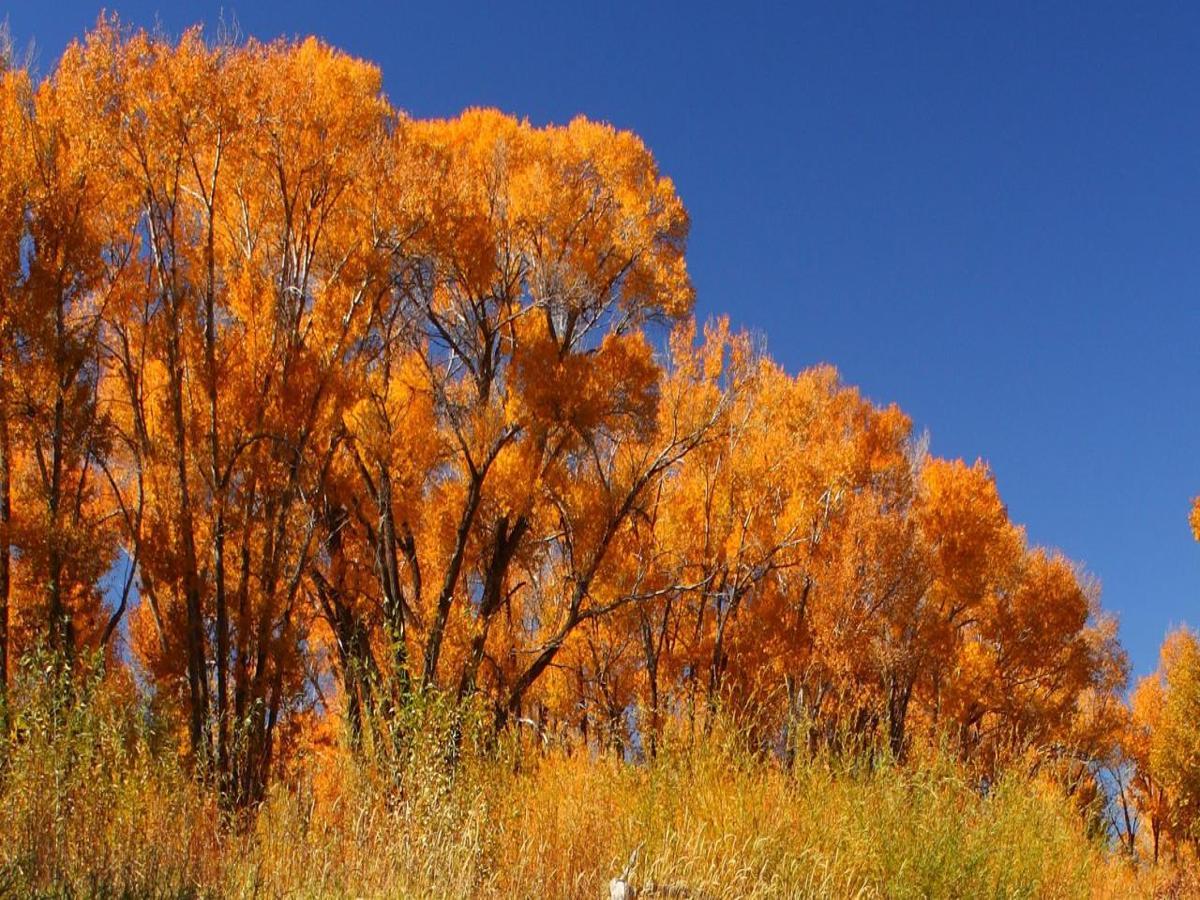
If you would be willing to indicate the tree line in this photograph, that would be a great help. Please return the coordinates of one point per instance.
(309, 407)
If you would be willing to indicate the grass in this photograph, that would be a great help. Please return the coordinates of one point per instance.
(93, 803)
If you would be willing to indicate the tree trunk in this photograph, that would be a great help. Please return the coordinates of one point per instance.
(197, 668)
(61, 638)
(5, 539)
(898, 697)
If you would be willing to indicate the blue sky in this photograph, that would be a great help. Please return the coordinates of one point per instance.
(989, 215)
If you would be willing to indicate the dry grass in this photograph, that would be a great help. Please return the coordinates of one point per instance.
(92, 803)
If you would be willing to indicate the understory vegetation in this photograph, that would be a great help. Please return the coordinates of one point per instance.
(94, 803)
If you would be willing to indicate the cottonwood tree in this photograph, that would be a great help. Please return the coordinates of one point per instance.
(59, 278)
(1164, 742)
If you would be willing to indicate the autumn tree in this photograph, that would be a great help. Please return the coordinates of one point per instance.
(1149, 793)
(14, 89)
(254, 248)
(507, 362)
(1166, 741)
(54, 435)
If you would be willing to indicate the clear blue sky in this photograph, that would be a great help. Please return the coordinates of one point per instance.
(990, 216)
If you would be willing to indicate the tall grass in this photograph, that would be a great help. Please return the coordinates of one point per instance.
(93, 802)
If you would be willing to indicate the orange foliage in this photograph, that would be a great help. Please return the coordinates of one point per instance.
(367, 406)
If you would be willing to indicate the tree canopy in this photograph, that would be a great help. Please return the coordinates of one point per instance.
(308, 407)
